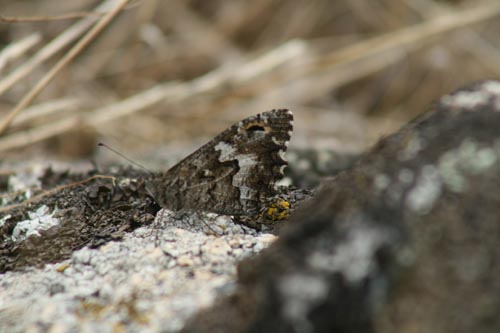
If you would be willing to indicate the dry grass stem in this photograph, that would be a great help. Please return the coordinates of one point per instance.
(68, 16)
(311, 78)
(417, 34)
(18, 49)
(473, 41)
(193, 30)
(56, 45)
(28, 98)
(372, 58)
(169, 92)
(39, 111)
(364, 58)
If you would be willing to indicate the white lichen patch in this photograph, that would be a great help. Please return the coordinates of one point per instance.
(39, 220)
(381, 182)
(301, 293)
(354, 257)
(406, 176)
(303, 164)
(4, 219)
(426, 191)
(468, 99)
(324, 160)
(468, 158)
(485, 158)
(26, 181)
(449, 169)
(492, 87)
(414, 145)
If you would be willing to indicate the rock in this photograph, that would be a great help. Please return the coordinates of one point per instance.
(307, 167)
(408, 240)
(152, 280)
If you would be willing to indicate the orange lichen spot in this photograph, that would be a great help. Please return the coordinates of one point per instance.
(62, 268)
(278, 210)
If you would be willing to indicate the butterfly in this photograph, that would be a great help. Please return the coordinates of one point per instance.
(232, 174)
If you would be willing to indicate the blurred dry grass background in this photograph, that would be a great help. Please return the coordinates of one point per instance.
(167, 72)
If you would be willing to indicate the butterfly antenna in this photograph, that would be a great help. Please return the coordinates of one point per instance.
(101, 144)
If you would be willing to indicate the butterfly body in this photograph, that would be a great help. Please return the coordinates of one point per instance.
(233, 173)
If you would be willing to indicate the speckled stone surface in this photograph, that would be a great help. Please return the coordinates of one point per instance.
(151, 281)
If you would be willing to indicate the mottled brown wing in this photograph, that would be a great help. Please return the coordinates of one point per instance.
(233, 173)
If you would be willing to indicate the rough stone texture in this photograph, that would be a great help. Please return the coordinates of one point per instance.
(307, 168)
(408, 240)
(150, 281)
(45, 224)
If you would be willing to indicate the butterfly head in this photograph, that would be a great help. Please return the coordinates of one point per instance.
(156, 190)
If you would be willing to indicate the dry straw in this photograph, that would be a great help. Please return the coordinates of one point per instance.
(267, 79)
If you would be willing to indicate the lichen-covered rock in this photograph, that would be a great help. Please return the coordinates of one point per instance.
(307, 167)
(408, 240)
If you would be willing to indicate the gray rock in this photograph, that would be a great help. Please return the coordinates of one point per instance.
(408, 240)
(151, 281)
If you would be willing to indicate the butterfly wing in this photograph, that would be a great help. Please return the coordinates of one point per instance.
(234, 172)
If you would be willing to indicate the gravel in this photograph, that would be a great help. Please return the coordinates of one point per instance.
(151, 281)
